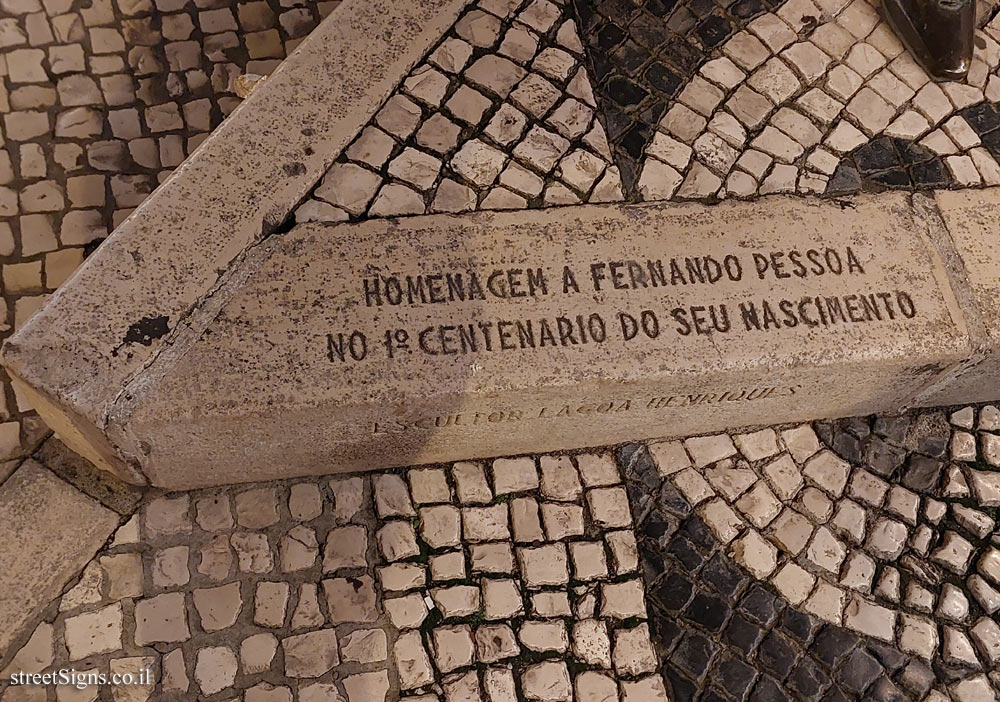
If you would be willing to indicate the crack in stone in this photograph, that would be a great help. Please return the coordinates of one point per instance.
(188, 329)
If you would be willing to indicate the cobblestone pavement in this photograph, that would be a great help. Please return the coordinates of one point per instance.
(700, 101)
(500, 116)
(879, 566)
(747, 97)
(102, 99)
(848, 560)
(825, 100)
(760, 566)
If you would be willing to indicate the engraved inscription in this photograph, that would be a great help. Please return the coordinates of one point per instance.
(470, 331)
(461, 420)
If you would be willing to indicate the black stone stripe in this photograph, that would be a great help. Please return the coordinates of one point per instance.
(643, 52)
(723, 636)
(887, 163)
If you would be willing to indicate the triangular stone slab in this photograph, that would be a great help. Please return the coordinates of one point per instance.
(236, 189)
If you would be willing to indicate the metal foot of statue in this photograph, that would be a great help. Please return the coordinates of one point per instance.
(939, 33)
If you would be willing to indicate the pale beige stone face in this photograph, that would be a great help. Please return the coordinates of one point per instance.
(34, 505)
(971, 218)
(218, 607)
(332, 88)
(375, 383)
(94, 632)
(310, 655)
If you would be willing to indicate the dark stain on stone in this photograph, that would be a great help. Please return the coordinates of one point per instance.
(145, 332)
(91, 246)
(295, 168)
(136, 256)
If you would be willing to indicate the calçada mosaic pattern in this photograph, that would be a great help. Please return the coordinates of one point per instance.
(748, 566)
(836, 561)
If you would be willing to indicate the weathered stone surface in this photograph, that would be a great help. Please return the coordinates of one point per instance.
(270, 154)
(161, 619)
(441, 386)
(94, 632)
(44, 548)
(971, 218)
(310, 655)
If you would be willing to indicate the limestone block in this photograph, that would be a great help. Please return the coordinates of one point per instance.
(339, 347)
(971, 218)
(270, 153)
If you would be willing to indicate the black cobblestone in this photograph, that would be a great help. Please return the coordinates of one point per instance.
(734, 677)
(894, 447)
(760, 605)
(893, 164)
(743, 634)
(723, 636)
(708, 611)
(859, 671)
(642, 53)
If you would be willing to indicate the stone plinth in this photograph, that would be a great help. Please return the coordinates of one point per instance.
(972, 224)
(396, 342)
(237, 188)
